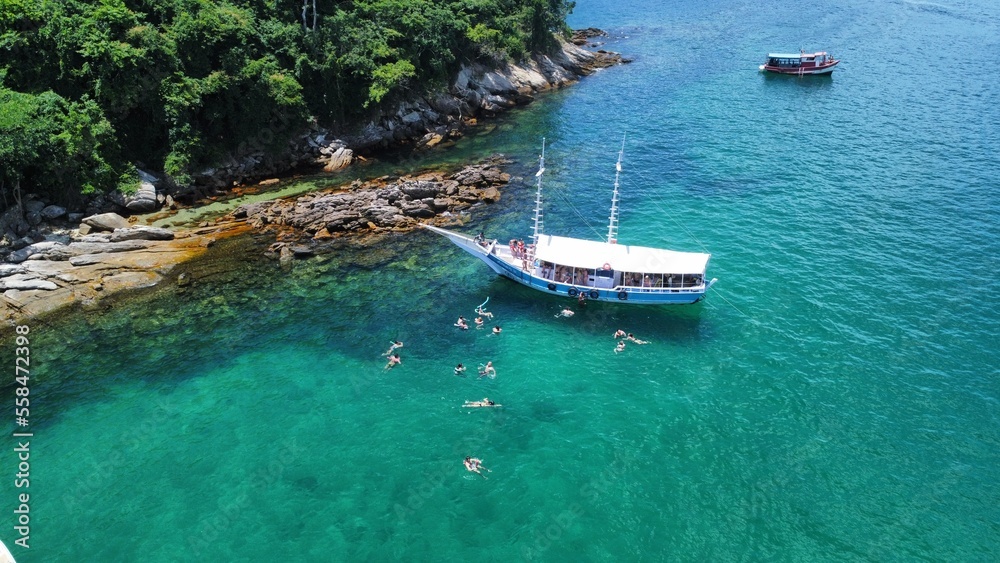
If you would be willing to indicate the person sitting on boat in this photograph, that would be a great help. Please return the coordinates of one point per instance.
(481, 239)
(619, 334)
(460, 323)
(487, 370)
(620, 347)
(395, 344)
(460, 370)
(393, 361)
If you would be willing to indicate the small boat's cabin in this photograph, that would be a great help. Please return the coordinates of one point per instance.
(800, 60)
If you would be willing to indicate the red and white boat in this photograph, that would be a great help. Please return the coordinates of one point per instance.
(801, 64)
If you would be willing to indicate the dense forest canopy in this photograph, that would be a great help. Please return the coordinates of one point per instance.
(90, 88)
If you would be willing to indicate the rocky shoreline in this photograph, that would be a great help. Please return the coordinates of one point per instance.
(55, 259)
(302, 224)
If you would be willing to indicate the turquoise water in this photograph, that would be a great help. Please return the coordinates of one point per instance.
(834, 398)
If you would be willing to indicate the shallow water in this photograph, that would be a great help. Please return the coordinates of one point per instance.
(834, 398)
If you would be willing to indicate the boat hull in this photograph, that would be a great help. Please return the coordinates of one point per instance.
(619, 294)
(800, 71)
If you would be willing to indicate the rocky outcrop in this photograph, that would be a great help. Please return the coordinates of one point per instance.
(381, 204)
(50, 275)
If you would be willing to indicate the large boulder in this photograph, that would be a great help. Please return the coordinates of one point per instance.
(341, 158)
(106, 222)
(52, 212)
(141, 232)
(142, 201)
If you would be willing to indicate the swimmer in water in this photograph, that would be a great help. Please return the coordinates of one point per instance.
(395, 344)
(566, 312)
(393, 361)
(460, 370)
(620, 347)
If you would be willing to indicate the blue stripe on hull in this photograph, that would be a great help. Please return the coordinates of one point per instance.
(636, 296)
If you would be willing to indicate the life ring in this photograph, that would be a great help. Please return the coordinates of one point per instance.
(573, 292)
(622, 295)
(606, 266)
(594, 294)
(552, 287)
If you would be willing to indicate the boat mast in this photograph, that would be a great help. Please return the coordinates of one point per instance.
(613, 222)
(538, 197)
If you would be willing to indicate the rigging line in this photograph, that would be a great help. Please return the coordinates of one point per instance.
(580, 215)
(738, 310)
(672, 218)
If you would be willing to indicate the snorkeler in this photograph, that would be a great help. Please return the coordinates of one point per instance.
(395, 344)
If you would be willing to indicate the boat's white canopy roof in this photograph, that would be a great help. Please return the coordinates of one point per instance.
(590, 254)
(794, 55)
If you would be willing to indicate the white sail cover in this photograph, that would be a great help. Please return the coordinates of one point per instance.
(590, 254)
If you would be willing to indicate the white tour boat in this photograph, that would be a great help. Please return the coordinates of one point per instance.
(587, 269)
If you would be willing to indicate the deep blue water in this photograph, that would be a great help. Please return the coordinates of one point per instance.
(835, 397)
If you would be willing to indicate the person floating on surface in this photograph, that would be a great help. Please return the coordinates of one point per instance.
(393, 361)
(497, 329)
(475, 465)
(484, 403)
(566, 312)
(487, 370)
(460, 370)
(620, 347)
(460, 323)
(634, 339)
(619, 334)
(395, 344)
